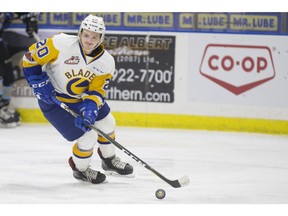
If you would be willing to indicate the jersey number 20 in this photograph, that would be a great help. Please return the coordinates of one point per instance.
(43, 51)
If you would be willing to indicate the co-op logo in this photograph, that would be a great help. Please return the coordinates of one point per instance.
(237, 68)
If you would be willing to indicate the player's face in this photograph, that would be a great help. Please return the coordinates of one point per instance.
(89, 40)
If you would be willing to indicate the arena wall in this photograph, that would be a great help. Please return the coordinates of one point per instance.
(192, 80)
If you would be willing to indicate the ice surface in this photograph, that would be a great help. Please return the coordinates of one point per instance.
(223, 168)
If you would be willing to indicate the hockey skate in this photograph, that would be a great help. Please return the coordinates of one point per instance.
(9, 119)
(89, 175)
(113, 166)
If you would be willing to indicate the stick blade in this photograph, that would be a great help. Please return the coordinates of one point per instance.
(184, 181)
(181, 182)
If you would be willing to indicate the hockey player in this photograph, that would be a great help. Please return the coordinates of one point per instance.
(8, 116)
(77, 69)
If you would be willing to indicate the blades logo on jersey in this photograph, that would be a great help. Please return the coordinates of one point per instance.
(73, 60)
(77, 86)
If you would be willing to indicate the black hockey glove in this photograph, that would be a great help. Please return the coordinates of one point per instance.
(31, 26)
(30, 19)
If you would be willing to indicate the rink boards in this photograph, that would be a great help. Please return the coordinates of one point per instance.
(191, 80)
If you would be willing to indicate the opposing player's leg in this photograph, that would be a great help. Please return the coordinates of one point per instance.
(111, 163)
(9, 117)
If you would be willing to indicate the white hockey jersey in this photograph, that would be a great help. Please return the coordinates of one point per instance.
(74, 75)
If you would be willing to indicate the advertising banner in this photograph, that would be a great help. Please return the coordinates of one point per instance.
(144, 67)
(242, 23)
(238, 70)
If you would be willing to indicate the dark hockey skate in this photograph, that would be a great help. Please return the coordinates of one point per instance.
(9, 117)
(89, 175)
(115, 167)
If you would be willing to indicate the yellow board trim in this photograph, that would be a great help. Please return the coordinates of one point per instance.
(182, 122)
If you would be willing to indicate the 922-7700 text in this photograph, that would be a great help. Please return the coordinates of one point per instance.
(144, 75)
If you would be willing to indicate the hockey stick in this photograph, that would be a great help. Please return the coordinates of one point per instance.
(36, 36)
(183, 181)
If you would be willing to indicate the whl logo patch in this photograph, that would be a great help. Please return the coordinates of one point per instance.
(72, 60)
(237, 68)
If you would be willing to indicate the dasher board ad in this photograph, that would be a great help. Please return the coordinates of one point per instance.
(241, 23)
(144, 67)
(238, 70)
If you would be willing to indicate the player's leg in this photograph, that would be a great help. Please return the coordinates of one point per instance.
(81, 158)
(82, 149)
(110, 162)
(12, 45)
(8, 116)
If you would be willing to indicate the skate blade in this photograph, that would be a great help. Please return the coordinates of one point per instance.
(88, 182)
(114, 174)
(9, 125)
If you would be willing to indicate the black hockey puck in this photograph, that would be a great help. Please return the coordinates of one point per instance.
(160, 193)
